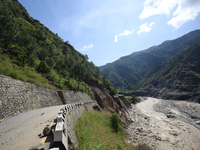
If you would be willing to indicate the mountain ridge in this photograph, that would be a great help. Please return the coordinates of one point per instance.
(141, 62)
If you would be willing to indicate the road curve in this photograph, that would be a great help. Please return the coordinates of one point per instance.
(21, 132)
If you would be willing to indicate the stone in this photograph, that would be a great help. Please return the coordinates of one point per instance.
(149, 131)
(197, 122)
(139, 129)
(47, 131)
(171, 115)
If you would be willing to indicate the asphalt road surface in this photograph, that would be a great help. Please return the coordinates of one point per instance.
(22, 132)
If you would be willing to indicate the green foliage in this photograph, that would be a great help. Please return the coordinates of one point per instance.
(187, 61)
(26, 73)
(114, 120)
(110, 88)
(94, 132)
(134, 99)
(43, 67)
(27, 42)
(8, 27)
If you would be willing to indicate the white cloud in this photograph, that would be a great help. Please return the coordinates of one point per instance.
(87, 47)
(116, 40)
(145, 27)
(126, 32)
(156, 7)
(185, 10)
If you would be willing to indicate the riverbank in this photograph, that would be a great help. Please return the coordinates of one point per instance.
(165, 125)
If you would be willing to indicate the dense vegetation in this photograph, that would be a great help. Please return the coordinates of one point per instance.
(186, 62)
(133, 68)
(30, 47)
(96, 130)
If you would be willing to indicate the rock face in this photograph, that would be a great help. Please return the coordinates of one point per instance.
(110, 104)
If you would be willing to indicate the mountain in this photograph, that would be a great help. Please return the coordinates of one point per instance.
(29, 51)
(133, 68)
(176, 78)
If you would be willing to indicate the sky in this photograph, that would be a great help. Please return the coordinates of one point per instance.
(106, 30)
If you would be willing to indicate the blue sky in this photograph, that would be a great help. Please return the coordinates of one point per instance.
(106, 30)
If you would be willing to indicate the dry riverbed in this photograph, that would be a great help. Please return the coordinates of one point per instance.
(165, 124)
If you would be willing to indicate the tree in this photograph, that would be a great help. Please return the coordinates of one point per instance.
(30, 45)
(86, 57)
(43, 67)
(8, 27)
(43, 54)
(50, 62)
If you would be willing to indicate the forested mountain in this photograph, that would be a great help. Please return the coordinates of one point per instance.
(27, 47)
(176, 78)
(132, 69)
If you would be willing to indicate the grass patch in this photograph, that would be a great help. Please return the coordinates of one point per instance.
(26, 74)
(94, 131)
(51, 80)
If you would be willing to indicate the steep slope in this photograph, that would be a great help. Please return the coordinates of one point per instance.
(33, 48)
(177, 78)
(132, 68)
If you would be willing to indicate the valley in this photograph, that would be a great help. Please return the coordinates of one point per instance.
(168, 71)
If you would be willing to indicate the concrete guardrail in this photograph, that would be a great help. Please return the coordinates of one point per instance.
(60, 139)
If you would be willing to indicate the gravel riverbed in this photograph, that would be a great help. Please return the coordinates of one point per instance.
(165, 124)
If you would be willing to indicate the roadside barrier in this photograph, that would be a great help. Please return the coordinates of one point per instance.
(60, 139)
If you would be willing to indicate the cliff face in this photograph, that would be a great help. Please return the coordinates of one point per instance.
(110, 104)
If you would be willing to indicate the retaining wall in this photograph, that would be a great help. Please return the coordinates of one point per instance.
(17, 96)
(75, 97)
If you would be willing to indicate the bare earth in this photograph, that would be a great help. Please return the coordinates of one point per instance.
(160, 132)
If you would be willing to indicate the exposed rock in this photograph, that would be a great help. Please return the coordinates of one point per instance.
(108, 103)
(126, 103)
(197, 122)
(171, 115)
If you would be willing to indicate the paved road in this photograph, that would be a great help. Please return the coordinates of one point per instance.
(21, 132)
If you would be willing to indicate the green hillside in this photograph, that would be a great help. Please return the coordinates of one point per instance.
(187, 60)
(29, 51)
(178, 76)
(132, 69)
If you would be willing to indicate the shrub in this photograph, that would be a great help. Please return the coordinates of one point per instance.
(134, 99)
(114, 120)
(43, 67)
